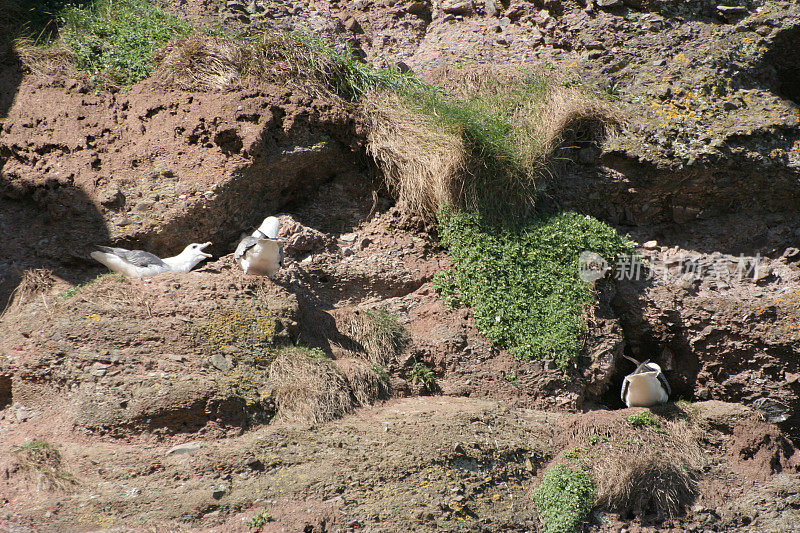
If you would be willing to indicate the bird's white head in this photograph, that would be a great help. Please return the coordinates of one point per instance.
(189, 257)
(269, 228)
(654, 367)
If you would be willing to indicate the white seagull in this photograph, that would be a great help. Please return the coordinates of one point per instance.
(140, 264)
(646, 386)
(260, 253)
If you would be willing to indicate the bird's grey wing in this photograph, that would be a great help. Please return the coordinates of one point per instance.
(624, 391)
(137, 258)
(244, 245)
(664, 383)
(281, 261)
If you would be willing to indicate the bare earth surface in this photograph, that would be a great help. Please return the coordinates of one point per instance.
(163, 423)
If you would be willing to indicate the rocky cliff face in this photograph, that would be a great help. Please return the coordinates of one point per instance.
(704, 175)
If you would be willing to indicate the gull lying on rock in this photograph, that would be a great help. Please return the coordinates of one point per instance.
(140, 264)
(260, 253)
(646, 386)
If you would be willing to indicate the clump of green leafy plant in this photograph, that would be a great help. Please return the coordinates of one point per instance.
(114, 40)
(421, 374)
(523, 282)
(611, 89)
(311, 353)
(260, 520)
(644, 419)
(564, 498)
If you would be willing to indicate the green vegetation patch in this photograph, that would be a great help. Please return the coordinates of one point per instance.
(260, 520)
(114, 40)
(645, 419)
(523, 282)
(420, 374)
(564, 498)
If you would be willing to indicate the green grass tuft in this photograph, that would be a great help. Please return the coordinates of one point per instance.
(523, 283)
(114, 40)
(564, 498)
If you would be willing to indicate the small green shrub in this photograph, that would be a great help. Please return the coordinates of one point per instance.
(523, 282)
(611, 89)
(311, 353)
(564, 498)
(381, 372)
(114, 40)
(260, 520)
(421, 374)
(645, 418)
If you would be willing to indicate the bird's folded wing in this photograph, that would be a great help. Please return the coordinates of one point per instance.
(664, 383)
(244, 245)
(624, 391)
(137, 258)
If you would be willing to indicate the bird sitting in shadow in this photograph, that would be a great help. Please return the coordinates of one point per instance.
(646, 386)
(261, 254)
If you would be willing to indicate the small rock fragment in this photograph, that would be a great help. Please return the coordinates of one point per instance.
(189, 447)
(221, 362)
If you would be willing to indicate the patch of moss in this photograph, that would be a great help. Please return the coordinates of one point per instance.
(246, 334)
(564, 498)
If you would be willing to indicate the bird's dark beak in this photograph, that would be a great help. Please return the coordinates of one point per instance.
(203, 246)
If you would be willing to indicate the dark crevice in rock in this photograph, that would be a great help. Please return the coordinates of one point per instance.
(6, 397)
(783, 60)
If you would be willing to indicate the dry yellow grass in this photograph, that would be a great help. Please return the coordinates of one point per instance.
(43, 462)
(638, 470)
(531, 123)
(34, 282)
(378, 336)
(307, 389)
(423, 166)
(367, 385)
(570, 117)
(200, 63)
(45, 60)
